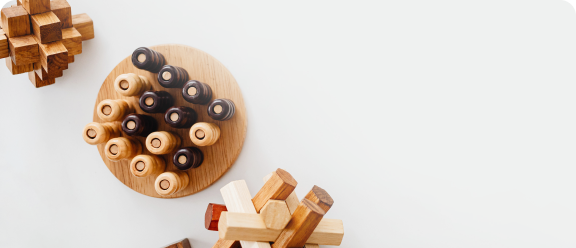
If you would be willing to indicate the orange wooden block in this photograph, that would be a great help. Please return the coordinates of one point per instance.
(43, 74)
(47, 27)
(71, 59)
(17, 69)
(72, 40)
(227, 244)
(63, 11)
(278, 187)
(304, 220)
(37, 82)
(15, 22)
(36, 6)
(24, 50)
(320, 197)
(185, 243)
(4, 47)
(53, 56)
(83, 23)
(213, 215)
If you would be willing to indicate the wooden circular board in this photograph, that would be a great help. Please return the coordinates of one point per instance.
(219, 157)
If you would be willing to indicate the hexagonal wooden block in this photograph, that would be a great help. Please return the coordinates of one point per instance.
(24, 50)
(15, 22)
(47, 27)
(63, 11)
(275, 214)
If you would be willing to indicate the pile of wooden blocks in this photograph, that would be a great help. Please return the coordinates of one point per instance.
(274, 218)
(41, 37)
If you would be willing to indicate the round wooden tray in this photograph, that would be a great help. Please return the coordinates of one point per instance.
(219, 157)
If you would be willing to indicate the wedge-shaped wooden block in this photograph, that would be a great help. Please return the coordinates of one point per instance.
(4, 46)
(241, 226)
(43, 74)
(84, 25)
(15, 21)
(53, 57)
(72, 40)
(63, 11)
(17, 69)
(24, 50)
(275, 214)
(47, 27)
(213, 215)
(278, 187)
(227, 244)
(320, 197)
(37, 82)
(292, 200)
(36, 6)
(71, 59)
(185, 243)
(304, 220)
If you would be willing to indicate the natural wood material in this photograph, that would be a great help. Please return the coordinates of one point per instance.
(15, 21)
(304, 220)
(122, 148)
(99, 133)
(43, 74)
(275, 214)
(233, 132)
(24, 50)
(17, 69)
(53, 56)
(180, 117)
(47, 27)
(114, 110)
(70, 59)
(278, 187)
(188, 158)
(147, 165)
(172, 76)
(213, 215)
(320, 197)
(311, 246)
(197, 92)
(154, 102)
(4, 47)
(63, 11)
(36, 6)
(72, 40)
(221, 109)
(162, 142)
(130, 84)
(171, 182)
(227, 244)
(292, 200)
(181, 244)
(147, 59)
(83, 23)
(139, 125)
(204, 134)
(37, 82)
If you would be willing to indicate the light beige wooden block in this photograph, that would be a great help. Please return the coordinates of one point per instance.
(292, 200)
(275, 214)
(311, 246)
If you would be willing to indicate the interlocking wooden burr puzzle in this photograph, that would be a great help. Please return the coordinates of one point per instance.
(154, 127)
(41, 37)
(274, 217)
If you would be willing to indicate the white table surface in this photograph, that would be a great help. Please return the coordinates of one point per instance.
(431, 123)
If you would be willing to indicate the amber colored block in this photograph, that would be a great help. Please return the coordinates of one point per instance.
(83, 23)
(4, 46)
(278, 187)
(320, 197)
(53, 56)
(46, 27)
(43, 74)
(185, 243)
(304, 220)
(15, 21)
(37, 82)
(63, 11)
(227, 244)
(34, 7)
(17, 69)
(24, 50)
(213, 215)
(71, 59)
(72, 40)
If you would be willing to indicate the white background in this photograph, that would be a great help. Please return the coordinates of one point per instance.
(431, 123)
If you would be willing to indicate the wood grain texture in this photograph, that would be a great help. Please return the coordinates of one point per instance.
(311, 246)
(185, 243)
(320, 197)
(72, 40)
(307, 216)
(227, 244)
(17, 69)
(4, 47)
(37, 82)
(278, 187)
(36, 6)
(15, 21)
(53, 56)
(275, 214)
(46, 27)
(219, 157)
(63, 11)
(84, 24)
(24, 50)
(212, 216)
(292, 201)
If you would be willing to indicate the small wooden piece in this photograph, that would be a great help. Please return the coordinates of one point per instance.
(278, 187)
(139, 125)
(162, 142)
(24, 50)
(304, 220)
(15, 22)
(227, 244)
(221, 109)
(213, 215)
(188, 157)
(171, 182)
(130, 84)
(17, 69)
(63, 11)
(84, 25)
(181, 244)
(180, 117)
(275, 214)
(36, 6)
(99, 133)
(4, 46)
(43, 74)
(114, 110)
(197, 92)
(70, 59)
(172, 76)
(320, 197)
(53, 56)
(204, 134)
(37, 82)
(147, 165)
(47, 27)
(122, 148)
(147, 59)
(156, 101)
(311, 246)
(72, 40)
(292, 200)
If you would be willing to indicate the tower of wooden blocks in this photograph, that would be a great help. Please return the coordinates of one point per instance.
(41, 37)
(274, 218)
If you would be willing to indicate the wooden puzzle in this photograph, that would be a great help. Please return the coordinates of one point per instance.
(168, 121)
(41, 37)
(274, 217)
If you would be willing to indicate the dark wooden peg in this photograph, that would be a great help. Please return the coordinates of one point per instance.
(147, 59)
(180, 117)
(156, 101)
(197, 92)
(139, 125)
(188, 157)
(212, 216)
(172, 76)
(221, 109)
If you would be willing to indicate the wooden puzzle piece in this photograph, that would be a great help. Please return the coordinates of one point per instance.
(35, 6)
(122, 148)
(63, 11)
(99, 133)
(280, 185)
(188, 158)
(320, 197)
(171, 182)
(197, 92)
(130, 84)
(4, 46)
(37, 82)
(221, 109)
(18, 69)
(292, 200)
(227, 244)
(139, 125)
(15, 22)
(212, 216)
(84, 24)
(155, 101)
(180, 117)
(204, 133)
(304, 220)
(275, 214)
(162, 142)
(185, 243)
(72, 40)
(24, 50)
(147, 165)
(172, 76)
(46, 27)
(114, 110)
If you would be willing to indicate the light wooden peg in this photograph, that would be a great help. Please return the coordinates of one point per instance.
(278, 187)
(171, 182)
(114, 110)
(147, 165)
(97, 133)
(131, 84)
(275, 214)
(204, 133)
(227, 244)
(122, 148)
(162, 142)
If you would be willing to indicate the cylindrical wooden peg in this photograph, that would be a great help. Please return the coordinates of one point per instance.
(97, 133)
(197, 92)
(180, 117)
(204, 133)
(147, 165)
(156, 101)
(147, 59)
(172, 76)
(139, 125)
(122, 148)
(221, 109)
(162, 142)
(171, 182)
(131, 84)
(114, 110)
(188, 157)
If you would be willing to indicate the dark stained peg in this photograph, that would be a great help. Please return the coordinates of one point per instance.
(221, 109)
(156, 101)
(188, 157)
(172, 76)
(139, 125)
(180, 117)
(147, 59)
(197, 92)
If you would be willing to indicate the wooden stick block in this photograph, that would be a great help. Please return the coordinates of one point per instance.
(71, 59)
(53, 56)
(185, 243)
(238, 200)
(36, 6)
(278, 187)
(320, 197)
(47, 27)
(292, 200)
(63, 11)
(227, 244)
(212, 216)
(236, 226)
(43, 74)
(17, 69)
(37, 82)
(275, 214)
(84, 25)
(24, 50)
(4, 46)
(15, 21)
(72, 40)
(311, 246)
(307, 216)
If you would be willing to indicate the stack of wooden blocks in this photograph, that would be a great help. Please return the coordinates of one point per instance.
(41, 37)
(274, 218)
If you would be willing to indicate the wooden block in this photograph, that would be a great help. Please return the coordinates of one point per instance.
(4, 46)
(15, 22)
(43, 74)
(71, 59)
(84, 25)
(227, 244)
(213, 215)
(63, 11)
(36, 6)
(292, 200)
(53, 56)
(47, 27)
(307, 216)
(278, 187)
(185, 243)
(238, 200)
(72, 40)
(236, 226)
(24, 50)
(320, 197)
(17, 69)
(311, 246)
(275, 214)
(37, 82)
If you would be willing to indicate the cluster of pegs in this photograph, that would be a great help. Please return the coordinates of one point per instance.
(122, 124)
